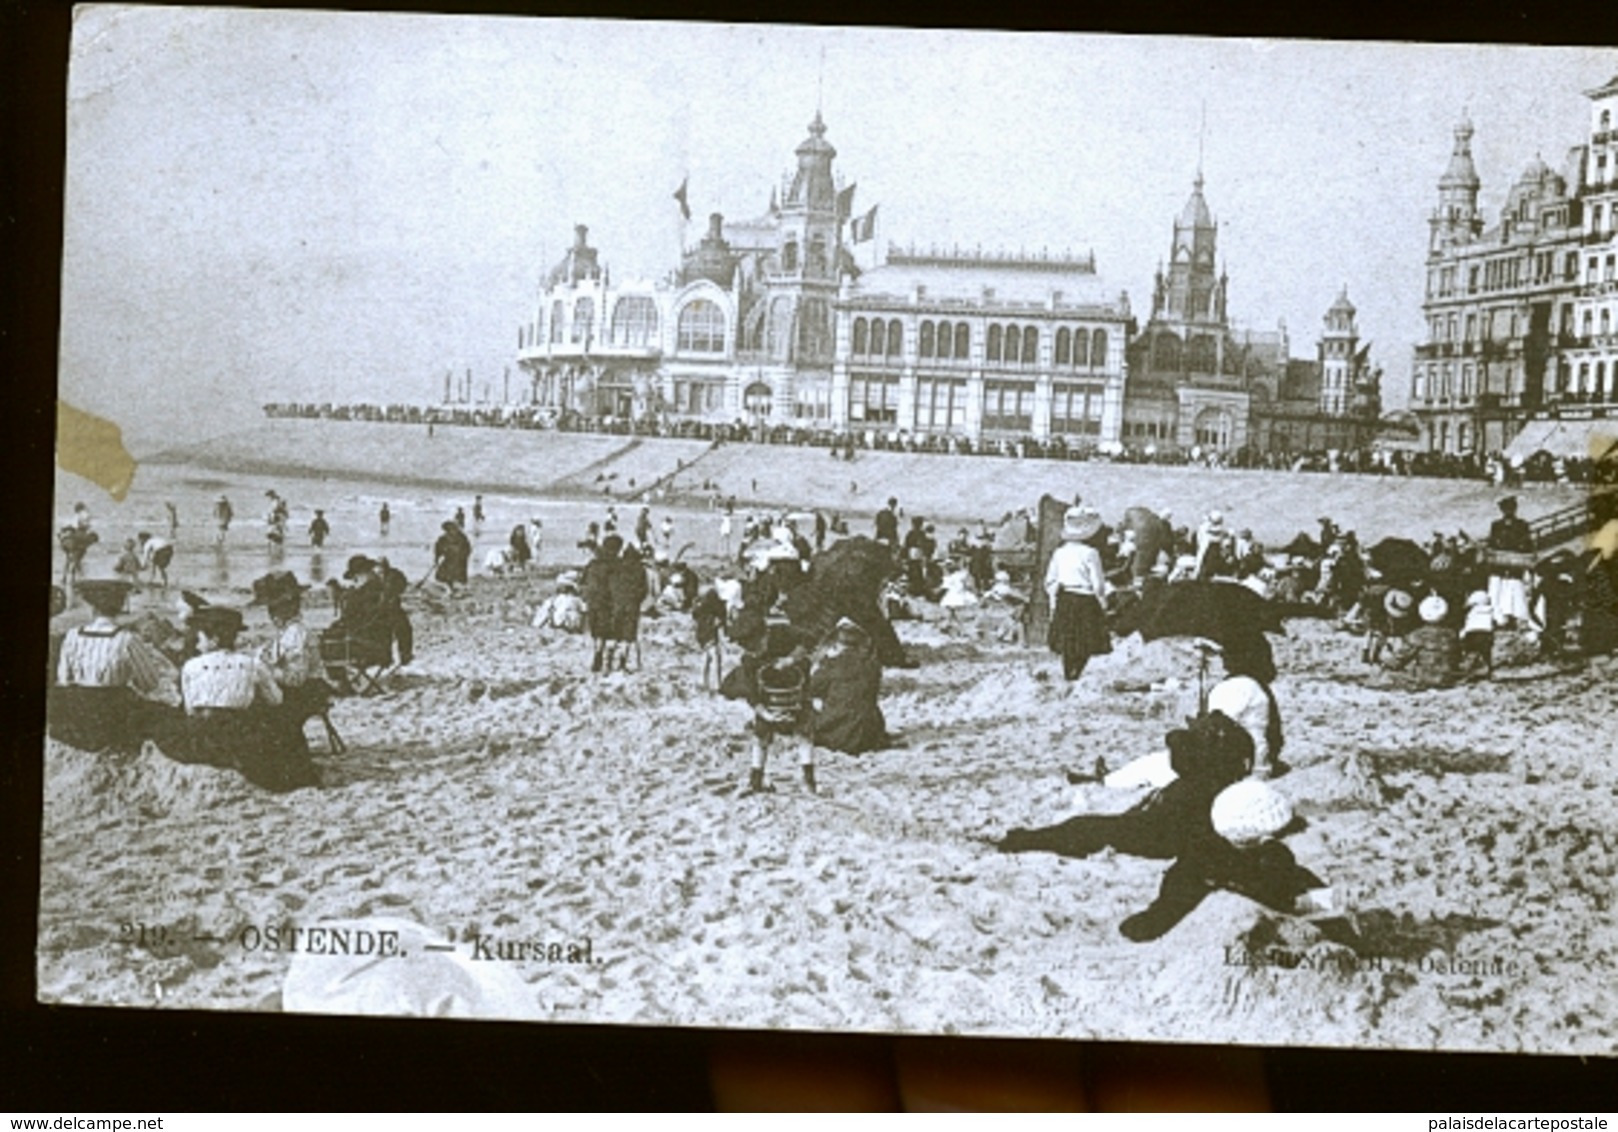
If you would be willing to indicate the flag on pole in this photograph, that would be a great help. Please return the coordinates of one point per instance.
(863, 228)
(845, 203)
(680, 195)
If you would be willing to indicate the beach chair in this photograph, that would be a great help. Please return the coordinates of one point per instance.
(356, 662)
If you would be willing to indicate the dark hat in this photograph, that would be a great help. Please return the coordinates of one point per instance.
(276, 586)
(1508, 504)
(447, 525)
(105, 595)
(217, 621)
(1212, 745)
(357, 564)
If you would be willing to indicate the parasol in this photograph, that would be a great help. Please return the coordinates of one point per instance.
(1399, 559)
(1225, 613)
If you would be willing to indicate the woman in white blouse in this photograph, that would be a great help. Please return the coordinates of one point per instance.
(1076, 584)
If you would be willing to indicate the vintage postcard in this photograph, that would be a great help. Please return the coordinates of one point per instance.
(909, 531)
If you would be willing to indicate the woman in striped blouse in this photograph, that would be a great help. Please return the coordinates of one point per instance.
(231, 701)
(109, 682)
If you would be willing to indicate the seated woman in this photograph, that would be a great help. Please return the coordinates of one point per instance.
(292, 658)
(230, 706)
(109, 682)
(1176, 822)
(844, 689)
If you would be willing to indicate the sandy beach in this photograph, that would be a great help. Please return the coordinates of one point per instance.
(500, 792)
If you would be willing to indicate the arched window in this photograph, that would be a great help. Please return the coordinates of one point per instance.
(924, 345)
(896, 338)
(879, 337)
(584, 316)
(1168, 352)
(1064, 346)
(859, 336)
(1030, 344)
(1606, 322)
(944, 339)
(702, 327)
(634, 321)
(556, 321)
(1081, 347)
(814, 330)
(1606, 119)
(789, 256)
(1012, 346)
(963, 340)
(1098, 349)
(1202, 354)
(993, 351)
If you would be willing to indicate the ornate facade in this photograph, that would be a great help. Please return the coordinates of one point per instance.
(1521, 344)
(771, 322)
(1197, 381)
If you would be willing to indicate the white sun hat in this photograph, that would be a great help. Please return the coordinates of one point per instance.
(1250, 810)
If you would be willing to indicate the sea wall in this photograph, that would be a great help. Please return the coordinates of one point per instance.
(948, 489)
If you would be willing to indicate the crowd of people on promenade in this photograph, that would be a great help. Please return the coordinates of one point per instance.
(1493, 467)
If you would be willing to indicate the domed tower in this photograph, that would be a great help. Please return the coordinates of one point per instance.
(807, 237)
(1457, 220)
(712, 258)
(581, 262)
(803, 275)
(1339, 343)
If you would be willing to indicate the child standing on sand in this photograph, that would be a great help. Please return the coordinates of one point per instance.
(773, 677)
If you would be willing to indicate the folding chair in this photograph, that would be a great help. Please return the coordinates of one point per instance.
(358, 663)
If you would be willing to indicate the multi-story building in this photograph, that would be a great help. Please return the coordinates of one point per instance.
(985, 347)
(1588, 376)
(1512, 310)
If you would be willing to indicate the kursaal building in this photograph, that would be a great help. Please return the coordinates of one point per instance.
(772, 322)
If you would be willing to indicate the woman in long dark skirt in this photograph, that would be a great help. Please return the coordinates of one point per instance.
(1076, 583)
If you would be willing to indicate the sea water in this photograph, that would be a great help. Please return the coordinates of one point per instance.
(225, 570)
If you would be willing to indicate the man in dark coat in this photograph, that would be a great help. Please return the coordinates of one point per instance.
(845, 689)
(887, 524)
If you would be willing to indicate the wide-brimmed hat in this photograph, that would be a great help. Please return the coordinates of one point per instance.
(1249, 811)
(1216, 520)
(567, 580)
(850, 631)
(105, 595)
(1433, 609)
(217, 620)
(358, 564)
(1478, 599)
(1080, 523)
(276, 586)
(1398, 603)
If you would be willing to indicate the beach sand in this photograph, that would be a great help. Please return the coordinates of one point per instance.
(500, 791)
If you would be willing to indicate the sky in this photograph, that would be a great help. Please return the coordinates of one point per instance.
(297, 205)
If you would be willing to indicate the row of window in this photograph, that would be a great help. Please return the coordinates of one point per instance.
(700, 324)
(1004, 343)
(941, 404)
(1504, 273)
(1504, 325)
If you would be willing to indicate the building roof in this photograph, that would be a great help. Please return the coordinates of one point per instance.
(1609, 87)
(989, 280)
(1195, 214)
(1461, 174)
(1342, 305)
